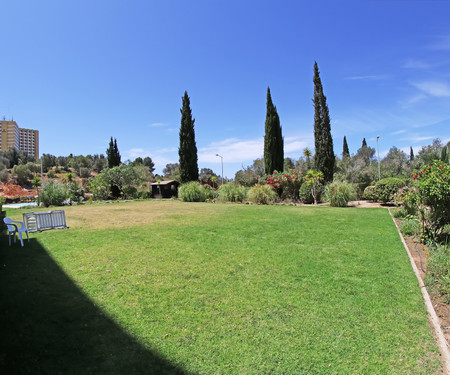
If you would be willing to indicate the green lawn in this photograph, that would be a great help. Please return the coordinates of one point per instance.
(171, 287)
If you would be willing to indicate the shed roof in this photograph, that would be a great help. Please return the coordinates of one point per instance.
(168, 182)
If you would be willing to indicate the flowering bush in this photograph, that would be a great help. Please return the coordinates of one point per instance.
(210, 191)
(286, 184)
(433, 183)
(408, 198)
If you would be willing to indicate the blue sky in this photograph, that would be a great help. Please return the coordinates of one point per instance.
(83, 71)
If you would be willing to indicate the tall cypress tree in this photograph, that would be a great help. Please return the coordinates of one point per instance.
(324, 155)
(411, 153)
(345, 150)
(113, 154)
(188, 149)
(273, 139)
(113, 157)
(364, 143)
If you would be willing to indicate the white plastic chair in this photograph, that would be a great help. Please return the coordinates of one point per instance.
(15, 227)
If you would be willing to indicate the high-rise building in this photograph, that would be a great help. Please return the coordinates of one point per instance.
(25, 140)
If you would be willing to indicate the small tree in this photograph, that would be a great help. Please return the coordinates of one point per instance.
(23, 174)
(313, 180)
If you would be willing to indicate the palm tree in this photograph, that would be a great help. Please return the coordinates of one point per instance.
(307, 154)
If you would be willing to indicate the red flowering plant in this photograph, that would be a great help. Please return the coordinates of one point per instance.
(433, 183)
(286, 184)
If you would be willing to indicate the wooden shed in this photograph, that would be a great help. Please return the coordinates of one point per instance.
(164, 189)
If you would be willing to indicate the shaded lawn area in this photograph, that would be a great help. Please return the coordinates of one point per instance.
(173, 287)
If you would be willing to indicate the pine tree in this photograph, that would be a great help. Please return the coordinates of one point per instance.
(324, 155)
(345, 150)
(273, 139)
(411, 153)
(188, 149)
(113, 154)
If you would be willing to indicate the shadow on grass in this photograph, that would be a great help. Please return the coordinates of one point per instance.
(49, 326)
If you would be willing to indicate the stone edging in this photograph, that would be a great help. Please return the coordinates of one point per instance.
(432, 316)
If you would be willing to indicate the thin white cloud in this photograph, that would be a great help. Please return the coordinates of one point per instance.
(441, 43)
(135, 152)
(295, 146)
(158, 124)
(373, 77)
(417, 139)
(232, 150)
(433, 88)
(401, 131)
(416, 64)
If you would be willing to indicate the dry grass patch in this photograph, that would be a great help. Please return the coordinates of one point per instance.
(130, 214)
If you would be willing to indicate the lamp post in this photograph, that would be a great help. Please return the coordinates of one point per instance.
(221, 158)
(378, 151)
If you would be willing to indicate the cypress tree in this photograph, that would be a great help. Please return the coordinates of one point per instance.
(324, 155)
(364, 143)
(273, 139)
(411, 153)
(187, 151)
(116, 153)
(345, 150)
(113, 154)
(113, 157)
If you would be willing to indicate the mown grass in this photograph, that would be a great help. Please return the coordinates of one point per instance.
(212, 288)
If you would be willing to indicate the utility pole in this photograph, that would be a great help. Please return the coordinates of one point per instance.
(221, 157)
(378, 151)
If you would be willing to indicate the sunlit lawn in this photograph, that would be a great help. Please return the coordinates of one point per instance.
(214, 288)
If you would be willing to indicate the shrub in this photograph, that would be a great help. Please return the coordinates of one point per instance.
(408, 198)
(75, 193)
(262, 194)
(438, 271)
(99, 187)
(386, 188)
(4, 175)
(399, 213)
(51, 174)
(339, 193)
(52, 194)
(410, 226)
(369, 193)
(85, 172)
(231, 192)
(192, 192)
(130, 192)
(145, 194)
(433, 183)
